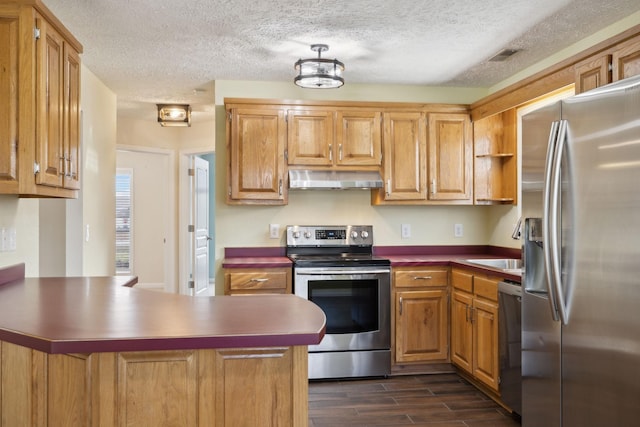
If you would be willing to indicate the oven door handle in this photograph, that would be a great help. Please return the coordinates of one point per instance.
(340, 272)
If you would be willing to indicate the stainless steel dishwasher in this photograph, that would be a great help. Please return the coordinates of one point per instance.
(509, 344)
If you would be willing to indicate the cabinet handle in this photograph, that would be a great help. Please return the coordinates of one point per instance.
(422, 277)
(340, 152)
(400, 306)
(259, 280)
(280, 187)
(331, 152)
(388, 187)
(433, 186)
(471, 314)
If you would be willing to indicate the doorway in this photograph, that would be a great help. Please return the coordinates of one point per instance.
(151, 218)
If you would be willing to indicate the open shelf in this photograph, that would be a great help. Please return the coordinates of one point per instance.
(495, 163)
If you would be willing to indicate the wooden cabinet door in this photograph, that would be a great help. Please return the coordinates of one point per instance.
(50, 100)
(71, 146)
(485, 342)
(450, 157)
(405, 172)
(421, 326)
(256, 155)
(592, 73)
(626, 59)
(9, 31)
(310, 137)
(462, 331)
(358, 138)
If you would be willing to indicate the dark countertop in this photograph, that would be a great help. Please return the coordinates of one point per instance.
(400, 256)
(105, 314)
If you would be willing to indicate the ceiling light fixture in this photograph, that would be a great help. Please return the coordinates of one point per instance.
(174, 114)
(319, 73)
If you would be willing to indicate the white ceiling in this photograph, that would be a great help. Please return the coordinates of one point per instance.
(153, 51)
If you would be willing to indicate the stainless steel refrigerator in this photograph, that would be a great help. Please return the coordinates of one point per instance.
(581, 241)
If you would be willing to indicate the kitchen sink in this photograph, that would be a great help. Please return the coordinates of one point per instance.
(505, 264)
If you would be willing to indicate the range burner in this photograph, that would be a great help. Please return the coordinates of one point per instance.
(343, 243)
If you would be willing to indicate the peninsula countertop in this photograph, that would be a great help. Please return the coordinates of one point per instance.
(106, 314)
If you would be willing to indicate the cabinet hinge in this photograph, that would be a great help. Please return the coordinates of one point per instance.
(229, 115)
(36, 168)
(191, 229)
(191, 172)
(286, 155)
(191, 284)
(610, 66)
(36, 33)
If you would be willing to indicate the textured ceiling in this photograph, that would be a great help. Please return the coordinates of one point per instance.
(153, 51)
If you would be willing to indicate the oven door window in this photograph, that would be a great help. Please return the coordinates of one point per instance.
(351, 306)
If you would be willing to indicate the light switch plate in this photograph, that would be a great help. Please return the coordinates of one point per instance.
(274, 231)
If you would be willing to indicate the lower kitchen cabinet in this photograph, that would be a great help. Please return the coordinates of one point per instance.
(421, 317)
(474, 326)
(239, 281)
(206, 387)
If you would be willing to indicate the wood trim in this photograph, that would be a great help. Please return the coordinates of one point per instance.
(374, 105)
(552, 78)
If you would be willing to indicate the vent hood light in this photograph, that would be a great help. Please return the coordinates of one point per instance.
(334, 180)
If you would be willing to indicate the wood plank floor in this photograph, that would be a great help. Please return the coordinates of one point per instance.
(440, 400)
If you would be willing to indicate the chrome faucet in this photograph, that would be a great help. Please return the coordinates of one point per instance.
(517, 230)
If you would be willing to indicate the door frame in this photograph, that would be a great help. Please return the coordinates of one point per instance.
(184, 217)
(170, 284)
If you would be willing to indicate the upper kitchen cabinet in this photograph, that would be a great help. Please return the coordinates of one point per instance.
(328, 137)
(496, 162)
(427, 157)
(592, 73)
(405, 157)
(40, 103)
(358, 136)
(450, 149)
(310, 137)
(616, 63)
(256, 139)
(625, 59)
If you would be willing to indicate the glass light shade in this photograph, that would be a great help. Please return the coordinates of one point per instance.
(174, 115)
(319, 73)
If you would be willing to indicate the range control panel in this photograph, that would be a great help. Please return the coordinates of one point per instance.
(329, 235)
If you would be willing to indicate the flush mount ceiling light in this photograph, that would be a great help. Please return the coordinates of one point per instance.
(319, 73)
(174, 114)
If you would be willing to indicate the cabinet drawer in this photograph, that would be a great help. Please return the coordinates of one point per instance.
(275, 281)
(485, 287)
(462, 280)
(420, 277)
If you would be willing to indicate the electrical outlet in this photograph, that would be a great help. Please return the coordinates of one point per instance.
(274, 231)
(458, 231)
(405, 231)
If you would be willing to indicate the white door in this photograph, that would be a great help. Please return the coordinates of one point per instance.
(200, 218)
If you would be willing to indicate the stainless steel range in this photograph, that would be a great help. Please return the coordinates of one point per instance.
(334, 267)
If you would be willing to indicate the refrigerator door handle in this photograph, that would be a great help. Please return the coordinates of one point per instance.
(551, 229)
(546, 198)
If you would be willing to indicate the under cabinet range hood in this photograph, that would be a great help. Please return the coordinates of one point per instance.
(334, 180)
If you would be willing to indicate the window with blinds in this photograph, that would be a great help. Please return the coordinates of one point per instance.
(124, 221)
